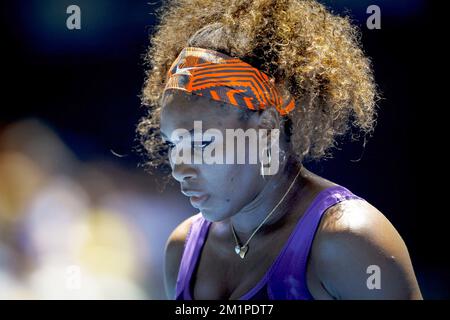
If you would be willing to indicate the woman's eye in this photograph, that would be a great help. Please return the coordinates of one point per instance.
(202, 145)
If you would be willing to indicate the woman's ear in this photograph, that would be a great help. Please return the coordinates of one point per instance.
(269, 118)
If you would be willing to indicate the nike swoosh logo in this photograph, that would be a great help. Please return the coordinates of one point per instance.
(184, 70)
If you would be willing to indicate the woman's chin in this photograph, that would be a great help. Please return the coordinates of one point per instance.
(212, 215)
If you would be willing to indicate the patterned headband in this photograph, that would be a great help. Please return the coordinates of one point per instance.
(220, 77)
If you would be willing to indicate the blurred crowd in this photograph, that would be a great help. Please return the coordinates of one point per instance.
(74, 229)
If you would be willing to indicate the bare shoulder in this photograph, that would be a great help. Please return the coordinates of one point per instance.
(173, 253)
(358, 254)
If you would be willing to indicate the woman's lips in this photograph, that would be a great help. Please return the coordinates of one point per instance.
(197, 197)
(198, 201)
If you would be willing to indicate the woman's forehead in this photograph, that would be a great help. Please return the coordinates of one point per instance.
(182, 110)
(181, 106)
(179, 100)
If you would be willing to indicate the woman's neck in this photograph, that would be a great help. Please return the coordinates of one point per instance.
(251, 216)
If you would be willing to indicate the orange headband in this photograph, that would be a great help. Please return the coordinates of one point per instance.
(220, 77)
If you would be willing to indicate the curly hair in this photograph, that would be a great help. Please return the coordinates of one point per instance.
(311, 52)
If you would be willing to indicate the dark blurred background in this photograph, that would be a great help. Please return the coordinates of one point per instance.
(80, 219)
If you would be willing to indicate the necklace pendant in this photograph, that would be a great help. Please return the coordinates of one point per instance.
(243, 250)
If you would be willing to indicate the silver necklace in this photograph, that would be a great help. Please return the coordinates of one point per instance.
(242, 250)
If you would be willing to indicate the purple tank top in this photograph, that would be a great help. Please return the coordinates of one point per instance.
(286, 277)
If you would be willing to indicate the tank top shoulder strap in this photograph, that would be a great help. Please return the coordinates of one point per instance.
(192, 245)
(288, 281)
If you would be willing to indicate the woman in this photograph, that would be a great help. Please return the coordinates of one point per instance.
(285, 66)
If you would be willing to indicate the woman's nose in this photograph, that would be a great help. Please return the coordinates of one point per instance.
(182, 167)
(182, 172)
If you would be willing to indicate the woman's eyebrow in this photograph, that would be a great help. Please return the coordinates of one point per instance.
(167, 138)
